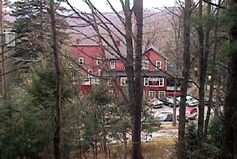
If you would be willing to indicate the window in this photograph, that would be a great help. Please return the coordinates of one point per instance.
(162, 94)
(145, 64)
(98, 61)
(152, 94)
(123, 81)
(110, 82)
(112, 65)
(156, 82)
(81, 61)
(161, 82)
(158, 65)
(146, 82)
(90, 73)
(97, 81)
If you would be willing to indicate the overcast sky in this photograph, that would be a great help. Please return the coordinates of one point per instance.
(102, 6)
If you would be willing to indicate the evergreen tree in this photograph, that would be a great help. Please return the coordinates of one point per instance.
(33, 30)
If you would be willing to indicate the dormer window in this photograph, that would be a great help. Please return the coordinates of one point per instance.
(112, 65)
(158, 65)
(145, 64)
(81, 61)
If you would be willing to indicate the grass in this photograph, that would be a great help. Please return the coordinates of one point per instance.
(160, 148)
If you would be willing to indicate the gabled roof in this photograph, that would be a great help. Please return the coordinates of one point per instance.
(123, 50)
(152, 47)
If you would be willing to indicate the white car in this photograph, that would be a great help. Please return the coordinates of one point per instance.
(190, 101)
(165, 116)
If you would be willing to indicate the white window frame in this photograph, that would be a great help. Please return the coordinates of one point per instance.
(146, 82)
(90, 71)
(145, 64)
(123, 81)
(152, 94)
(81, 61)
(112, 65)
(158, 65)
(98, 61)
(161, 82)
(162, 94)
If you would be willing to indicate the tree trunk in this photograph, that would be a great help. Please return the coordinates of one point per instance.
(57, 134)
(175, 103)
(184, 86)
(202, 77)
(125, 145)
(230, 138)
(213, 72)
(138, 11)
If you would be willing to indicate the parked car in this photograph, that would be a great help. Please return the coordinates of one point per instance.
(190, 101)
(156, 103)
(147, 119)
(190, 114)
(165, 116)
(169, 101)
(206, 100)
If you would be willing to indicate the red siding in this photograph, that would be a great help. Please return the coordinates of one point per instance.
(90, 53)
(152, 56)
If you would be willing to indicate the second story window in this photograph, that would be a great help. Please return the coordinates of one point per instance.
(123, 81)
(81, 61)
(90, 73)
(158, 65)
(145, 64)
(98, 61)
(112, 65)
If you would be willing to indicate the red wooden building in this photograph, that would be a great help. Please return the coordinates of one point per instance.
(95, 63)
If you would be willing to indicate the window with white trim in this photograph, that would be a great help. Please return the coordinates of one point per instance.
(145, 64)
(162, 94)
(152, 94)
(90, 73)
(98, 61)
(161, 82)
(112, 65)
(123, 81)
(158, 65)
(81, 61)
(146, 82)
